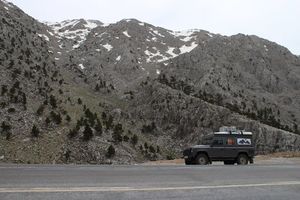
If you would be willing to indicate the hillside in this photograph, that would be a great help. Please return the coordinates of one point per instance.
(81, 91)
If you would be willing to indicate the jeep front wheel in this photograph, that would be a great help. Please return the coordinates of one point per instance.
(242, 159)
(202, 159)
(188, 162)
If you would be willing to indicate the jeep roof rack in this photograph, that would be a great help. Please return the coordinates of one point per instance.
(232, 130)
(233, 133)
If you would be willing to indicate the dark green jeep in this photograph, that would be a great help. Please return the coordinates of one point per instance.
(228, 145)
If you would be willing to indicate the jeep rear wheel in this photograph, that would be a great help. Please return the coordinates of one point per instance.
(242, 159)
(202, 159)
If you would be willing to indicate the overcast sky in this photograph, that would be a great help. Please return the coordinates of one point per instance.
(275, 20)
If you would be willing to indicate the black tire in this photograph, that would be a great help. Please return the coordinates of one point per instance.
(229, 162)
(242, 159)
(187, 162)
(202, 159)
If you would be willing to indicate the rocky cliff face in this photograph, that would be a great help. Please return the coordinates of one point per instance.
(87, 92)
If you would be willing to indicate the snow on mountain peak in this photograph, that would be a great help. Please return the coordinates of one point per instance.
(76, 29)
(126, 34)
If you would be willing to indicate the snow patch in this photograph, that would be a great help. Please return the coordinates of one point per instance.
(105, 25)
(101, 34)
(118, 58)
(157, 71)
(90, 25)
(57, 58)
(170, 52)
(107, 46)
(76, 46)
(187, 38)
(50, 33)
(6, 8)
(154, 39)
(142, 24)
(81, 66)
(157, 33)
(44, 36)
(185, 33)
(64, 30)
(126, 34)
(266, 48)
(98, 50)
(186, 49)
(158, 56)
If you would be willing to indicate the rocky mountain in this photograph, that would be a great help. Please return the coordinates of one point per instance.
(48, 113)
(86, 92)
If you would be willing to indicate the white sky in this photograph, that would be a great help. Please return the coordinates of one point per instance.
(275, 20)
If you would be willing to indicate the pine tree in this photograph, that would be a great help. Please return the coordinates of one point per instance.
(117, 134)
(48, 121)
(72, 133)
(24, 98)
(87, 133)
(126, 138)
(146, 145)
(56, 117)
(68, 118)
(110, 152)
(4, 90)
(97, 88)
(6, 129)
(98, 128)
(35, 131)
(134, 139)
(152, 149)
(157, 149)
(104, 116)
(53, 102)
(40, 110)
(109, 122)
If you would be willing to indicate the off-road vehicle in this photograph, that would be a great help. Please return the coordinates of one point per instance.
(228, 145)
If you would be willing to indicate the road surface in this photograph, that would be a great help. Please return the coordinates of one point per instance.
(281, 181)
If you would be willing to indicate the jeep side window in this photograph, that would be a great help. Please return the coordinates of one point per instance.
(230, 141)
(217, 142)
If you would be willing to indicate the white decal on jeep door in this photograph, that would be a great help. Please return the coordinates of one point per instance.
(244, 141)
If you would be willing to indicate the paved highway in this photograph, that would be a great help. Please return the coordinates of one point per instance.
(149, 182)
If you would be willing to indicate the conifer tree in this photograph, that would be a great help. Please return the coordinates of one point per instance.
(35, 131)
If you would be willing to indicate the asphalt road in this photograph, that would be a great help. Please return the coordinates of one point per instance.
(149, 182)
